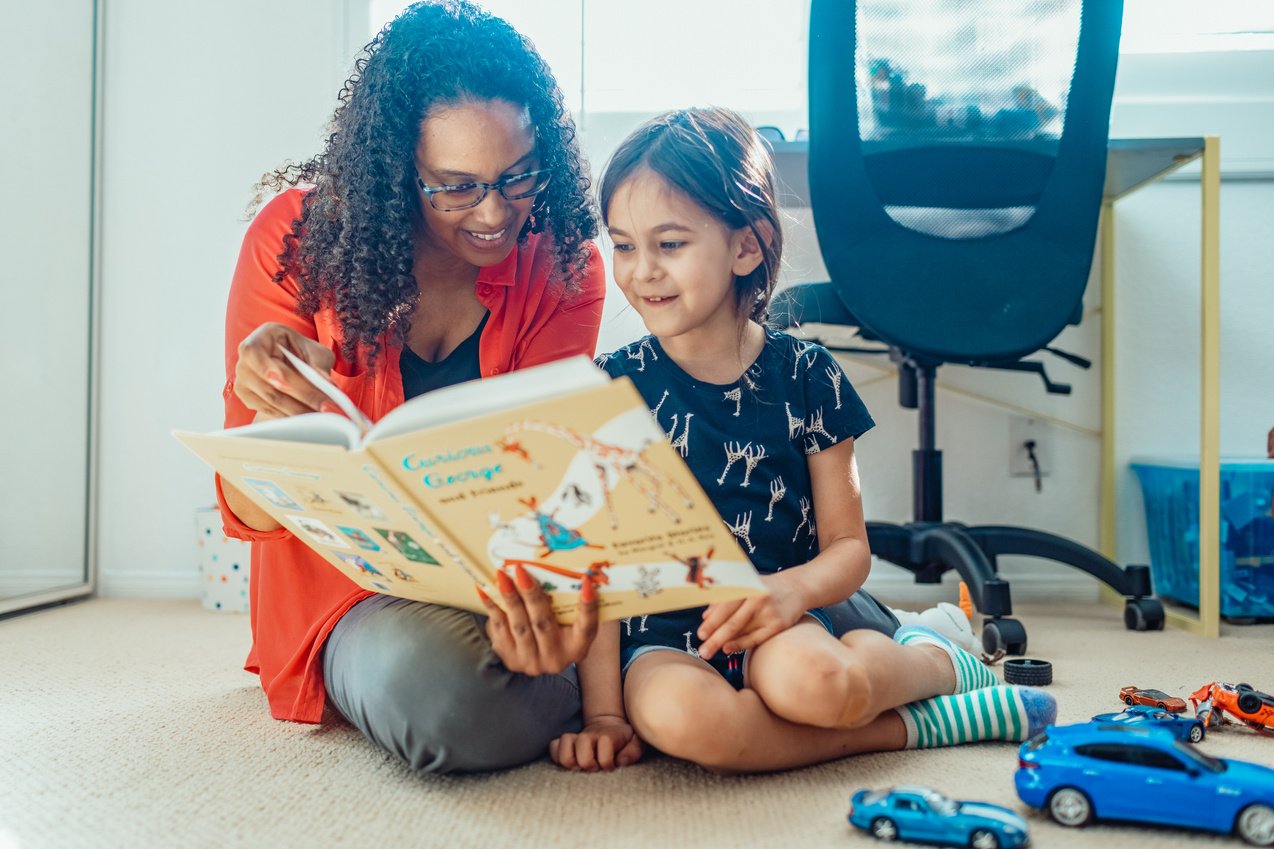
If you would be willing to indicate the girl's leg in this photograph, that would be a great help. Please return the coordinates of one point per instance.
(681, 706)
(422, 682)
(806, 675)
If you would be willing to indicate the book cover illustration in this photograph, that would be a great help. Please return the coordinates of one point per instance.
(604, 495)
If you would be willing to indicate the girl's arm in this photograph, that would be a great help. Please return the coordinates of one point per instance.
(837, 572)
(607, 741)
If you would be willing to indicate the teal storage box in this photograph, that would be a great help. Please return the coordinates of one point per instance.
(1170, 487)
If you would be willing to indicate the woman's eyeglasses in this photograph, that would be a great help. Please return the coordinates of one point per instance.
(469, 195)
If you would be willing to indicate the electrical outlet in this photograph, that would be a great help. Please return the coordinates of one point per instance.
(1023, 430)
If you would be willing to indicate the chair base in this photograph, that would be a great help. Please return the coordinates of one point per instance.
(929, 549)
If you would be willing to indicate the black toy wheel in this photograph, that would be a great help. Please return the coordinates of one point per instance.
(1127, 700)
(1249, 701)
(1028, 672)
(1143, 614)
(1003, 634)
(1241, 686)
(883, 828)
(984, 838)
(1070, 807)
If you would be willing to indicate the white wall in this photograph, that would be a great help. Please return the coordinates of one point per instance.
(191, 121)
(199, 102)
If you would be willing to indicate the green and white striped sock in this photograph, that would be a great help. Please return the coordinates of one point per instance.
(1001, 712)
(970, 673)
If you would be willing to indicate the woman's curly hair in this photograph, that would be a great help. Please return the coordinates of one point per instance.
(352, 248)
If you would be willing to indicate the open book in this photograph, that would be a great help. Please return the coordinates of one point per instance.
(556, 468)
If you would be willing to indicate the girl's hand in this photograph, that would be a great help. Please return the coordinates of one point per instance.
(267, 383)
(607, 742)
(738, 625)
(525, 634)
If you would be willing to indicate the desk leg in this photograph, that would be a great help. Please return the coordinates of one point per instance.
(1109, 510)
(1210, 395)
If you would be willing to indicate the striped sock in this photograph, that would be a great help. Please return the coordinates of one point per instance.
(1000, 712)
(970, 673)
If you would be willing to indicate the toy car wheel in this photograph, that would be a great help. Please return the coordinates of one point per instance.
(883, 828)
(1028, 672)
(1005, 635)
(1249, 702)
(1256, 825)
(1070, 807)
(1196, 733)
(1243, 686)
(1127, 700)
(984, 839)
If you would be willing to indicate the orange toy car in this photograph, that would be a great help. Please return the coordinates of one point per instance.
(1251, 707)
(1153, 698)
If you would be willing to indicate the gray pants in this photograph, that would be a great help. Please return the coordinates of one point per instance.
(422, 682)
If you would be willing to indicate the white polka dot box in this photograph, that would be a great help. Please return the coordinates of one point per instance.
(223, 564)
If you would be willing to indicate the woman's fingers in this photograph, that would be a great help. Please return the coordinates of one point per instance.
(525, 633)
(263, 371)
(585, 628)
(524, 654)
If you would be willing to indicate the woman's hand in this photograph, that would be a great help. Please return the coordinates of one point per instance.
(739, 625)
(605, 743)
(266, 382)
(525, 634)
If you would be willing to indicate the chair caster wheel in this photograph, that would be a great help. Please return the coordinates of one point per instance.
(1143, 614)
(1003, 634)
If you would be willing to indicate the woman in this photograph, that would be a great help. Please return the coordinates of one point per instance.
(443, 234)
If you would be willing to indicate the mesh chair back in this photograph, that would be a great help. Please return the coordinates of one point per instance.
(957, 156)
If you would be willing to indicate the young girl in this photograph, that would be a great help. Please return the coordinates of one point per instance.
(816, 669)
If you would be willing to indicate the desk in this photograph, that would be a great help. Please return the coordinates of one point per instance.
(1131, 164)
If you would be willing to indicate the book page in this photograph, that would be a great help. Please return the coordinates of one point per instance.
(581, 484)
(339, 398)
(315, 428)
(343, 506)
(479, 397)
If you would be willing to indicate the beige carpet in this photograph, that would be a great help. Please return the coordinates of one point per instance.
(129, 724)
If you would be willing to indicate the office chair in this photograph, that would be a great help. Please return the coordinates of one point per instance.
(957, 157)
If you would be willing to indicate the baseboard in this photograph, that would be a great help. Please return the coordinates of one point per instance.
(897, 588)
(140, 584)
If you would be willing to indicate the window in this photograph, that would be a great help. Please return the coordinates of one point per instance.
(1189, 26)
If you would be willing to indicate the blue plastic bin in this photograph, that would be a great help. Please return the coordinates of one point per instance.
(1171, 490)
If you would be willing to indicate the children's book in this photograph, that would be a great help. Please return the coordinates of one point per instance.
(556, 468)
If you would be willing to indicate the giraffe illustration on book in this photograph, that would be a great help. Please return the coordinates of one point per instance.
(613, 463)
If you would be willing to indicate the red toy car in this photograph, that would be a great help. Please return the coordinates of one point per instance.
(1152, 698)
(1251, 707)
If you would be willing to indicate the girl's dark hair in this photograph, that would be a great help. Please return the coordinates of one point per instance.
(351, 249)
(718, 161)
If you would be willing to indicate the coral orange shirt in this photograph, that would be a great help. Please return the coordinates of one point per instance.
(295, 596)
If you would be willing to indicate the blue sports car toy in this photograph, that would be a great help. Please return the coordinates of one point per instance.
(1188, 728)
(926, 816)
(1082, 772)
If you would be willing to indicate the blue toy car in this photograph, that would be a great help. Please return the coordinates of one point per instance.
(1080, 772)
(926, 816)
(1188, 728)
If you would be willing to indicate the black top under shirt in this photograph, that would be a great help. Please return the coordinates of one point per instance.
(421, 376)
